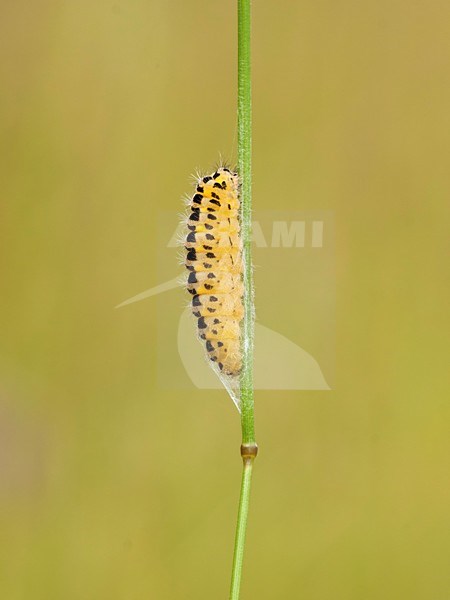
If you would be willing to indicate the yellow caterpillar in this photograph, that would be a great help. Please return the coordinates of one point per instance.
(214, 261)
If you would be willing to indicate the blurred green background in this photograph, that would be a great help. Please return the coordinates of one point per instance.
(112, 487)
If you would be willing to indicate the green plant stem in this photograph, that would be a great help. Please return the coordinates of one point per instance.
(245, 174)
(249, 447)
(240, 530)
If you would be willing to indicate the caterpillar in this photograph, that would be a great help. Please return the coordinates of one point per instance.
(214, 261)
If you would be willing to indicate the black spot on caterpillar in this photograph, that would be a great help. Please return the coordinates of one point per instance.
(201, 323)
(215, 278)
